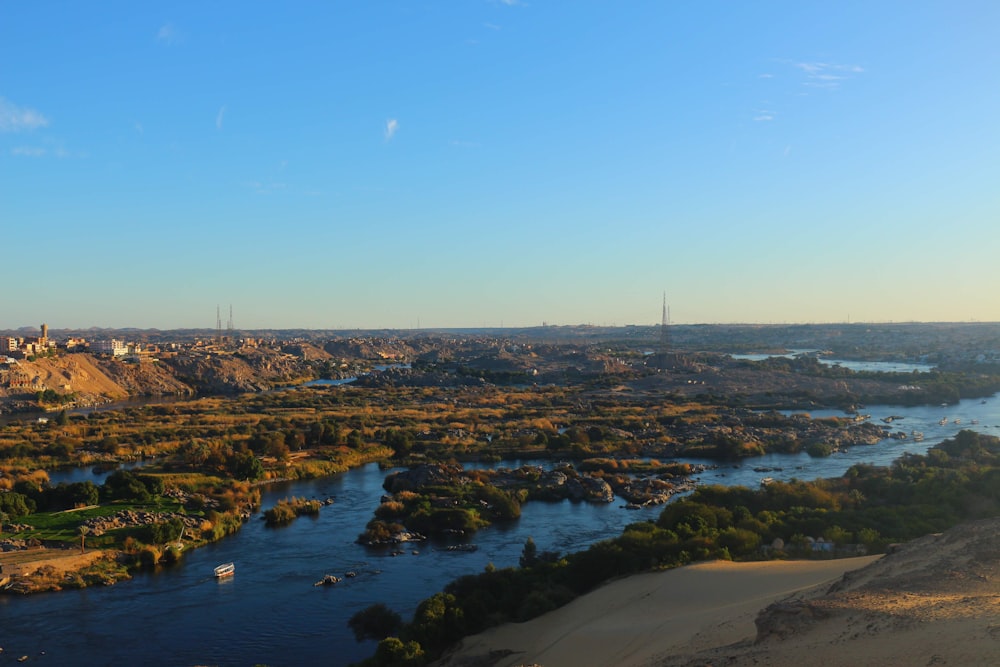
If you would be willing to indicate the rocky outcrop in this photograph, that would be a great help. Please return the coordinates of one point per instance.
(143, 379)
(590, 489)
(224, 373)
(935, 578)
(786, 619)
(650, 490)
(129, 518)
(427, 474)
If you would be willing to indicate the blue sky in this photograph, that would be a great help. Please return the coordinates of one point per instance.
(489, 162)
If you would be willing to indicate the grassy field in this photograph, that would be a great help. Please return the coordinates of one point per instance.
(64, 526)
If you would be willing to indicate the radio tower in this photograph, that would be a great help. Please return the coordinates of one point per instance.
(664, 335)
(230, 334)
(218, 325)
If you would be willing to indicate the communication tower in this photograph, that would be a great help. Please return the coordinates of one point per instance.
(663, 353)
(664, 333)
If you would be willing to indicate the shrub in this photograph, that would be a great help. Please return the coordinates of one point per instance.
(375, 622)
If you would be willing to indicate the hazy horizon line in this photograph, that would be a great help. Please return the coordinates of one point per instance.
(507, 327)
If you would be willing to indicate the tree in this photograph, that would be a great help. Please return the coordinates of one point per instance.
(392, 652)
(84, 531)
(166, 531)
(375, 622)
(14, 505)
(123, 485)
(246, 466)
(529, 555)
(438, 622)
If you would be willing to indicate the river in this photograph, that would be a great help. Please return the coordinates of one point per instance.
(270, 612)
(857, 366)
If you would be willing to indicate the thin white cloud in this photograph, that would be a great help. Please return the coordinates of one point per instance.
(28, 151)
(826, 75)
(14, 118)
(268, 188)
(219, 117)
(763, 116)
(765, 76)
(138, 127)
(167, 34)
(391, 127)
(53, 150)
(491, 26)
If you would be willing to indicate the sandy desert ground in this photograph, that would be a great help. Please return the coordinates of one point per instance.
(934, 601)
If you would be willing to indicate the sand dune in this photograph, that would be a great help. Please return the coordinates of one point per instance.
(933, 601)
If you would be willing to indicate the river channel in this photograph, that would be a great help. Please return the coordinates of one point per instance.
(271, 613)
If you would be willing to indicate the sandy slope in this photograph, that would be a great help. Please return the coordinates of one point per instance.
(630, 622)
(70, 373)
(935, 601)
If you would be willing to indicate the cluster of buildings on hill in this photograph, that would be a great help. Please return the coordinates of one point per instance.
(16, 347)
(13, 348)
(22, 348)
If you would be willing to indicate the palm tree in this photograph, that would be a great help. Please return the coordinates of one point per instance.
(84, 531)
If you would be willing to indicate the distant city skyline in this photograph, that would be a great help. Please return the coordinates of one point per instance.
(497, 163)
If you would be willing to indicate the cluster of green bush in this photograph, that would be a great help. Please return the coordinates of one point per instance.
(289, 509)
(443, 509)
(30, 496)
(635, 466)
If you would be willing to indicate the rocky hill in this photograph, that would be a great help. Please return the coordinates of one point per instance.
(932, 601)
(253, 370)
(77, 380)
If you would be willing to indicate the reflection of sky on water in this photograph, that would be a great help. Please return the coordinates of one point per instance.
(857, 366)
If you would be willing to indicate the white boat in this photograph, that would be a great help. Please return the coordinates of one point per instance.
(225, 570)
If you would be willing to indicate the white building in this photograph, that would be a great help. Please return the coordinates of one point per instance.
(113, 347)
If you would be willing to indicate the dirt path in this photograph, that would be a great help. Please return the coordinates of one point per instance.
(21, 563)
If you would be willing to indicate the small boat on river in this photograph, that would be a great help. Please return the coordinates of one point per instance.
(225, 570)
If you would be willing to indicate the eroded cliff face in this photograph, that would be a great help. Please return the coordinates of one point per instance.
(86, 380)
(254, 370)
(144, 379)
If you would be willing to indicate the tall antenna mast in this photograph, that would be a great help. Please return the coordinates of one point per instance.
(664, 334)
(218, 324)
(229, 328)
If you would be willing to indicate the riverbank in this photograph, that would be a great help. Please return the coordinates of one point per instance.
(41, 569)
